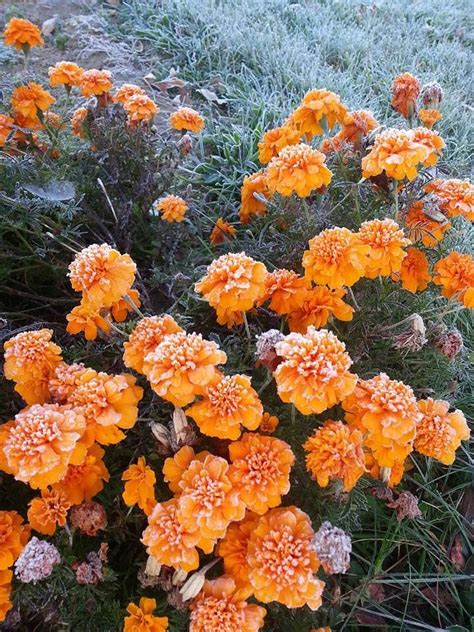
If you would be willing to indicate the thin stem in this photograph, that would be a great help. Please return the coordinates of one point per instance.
(306, 210)
(247, 330)
(134, 307)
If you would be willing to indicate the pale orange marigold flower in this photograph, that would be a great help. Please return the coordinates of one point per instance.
(375, 471)
(102, 274)
(209, 500)
(233, 283)
(121, 309)
(172, 208)
(139, 107)
(269, 423)
(439, 433)
(314, 373)
(30, 99)
(63, 381)
(397, 153)
(219, 607)
(420, 226)
(95, 82)
(22, 33)
(6, 604)
(386, 413)
(297, 169)
(429, 117)
(65, 73)
(139, 486)
(172, 543)
(405, 91)
(336, 257)
(282, 561)
(13, 537)
(187, 119)
(175, 466)
(285, 290)
(455, 273)
(42, 442)
(6, 128)
(77, 122)
(275, 140)
(126, 91)
(318, 305)
(182, 365)
(30, 361)
(85, 318)
(414, 275)
(319, 111)
(256, 183)
(147, 335)
(141, 618)
(334, 452)
(432, 141)
(83, 482)
(222, 230)
(386, 242)
(260, 470)
(48, 511)
(356, 125)
(455, 197)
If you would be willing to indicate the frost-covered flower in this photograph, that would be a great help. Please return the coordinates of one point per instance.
(36, 561)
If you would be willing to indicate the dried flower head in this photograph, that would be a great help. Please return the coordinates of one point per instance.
(48, 511)
(89, 517)
(386, 242)
(406, 506)
(319, 111)
(172, 208)
(455, 197)
(266, 348)
(455, 274)
(65, 73)
(90, 572)
(147, 335)
(13, 537)
(253, 186)
(405, 91)
(318, 305)
(297, 169)
(36, 561)
(221, 232)
(431, 94)
(141, 617)
(139, 489)
(95, 82)
(414, 338)
(439, 433)
(449, 343)
(187, 119)
(274, 140)
(22, 34)
(333, 547)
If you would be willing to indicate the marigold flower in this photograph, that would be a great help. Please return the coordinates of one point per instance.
(455, 197)
(63, 381)
(391, 478)
(175, 466)
(439, 433)
(314, 374)
(386, 242)
(95, 82)
(22, 34)
(260, 470)
(297, 169)
(6, 128)
(219, 607)
(126, 91)
(317, 306)
(429, 117)
(208, 500)
(187, 119)
(269, 423)
(421, 227)
(432, 140)
(356, 125)
(29, 100)
(5, 592)
(139, 107)
(386, 413)
(319, 111)
(65, 73)
(30, 361)
(102, 274)
(122, 308)
(256, 183)
(172, 208)
(171, 542)
(275, 140)
(141, 618)
(455, 274)
(334, 452)
(147, 335)
(282, 560)
(336, 257)
(48, 511)
(13, 537)
(182, 365)
(77, 122)
(85, 318)
(222, 230)
(83, 482)
(233, 283)
(285, 290)
(397, 153)
(414, 275)
(42, 442)
(140, 486)
(405, 91)
(229, 403)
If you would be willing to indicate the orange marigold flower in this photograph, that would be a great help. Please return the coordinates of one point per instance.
(233, 283)
(141, 618)
(405, 91)
(95, 82)
(175, 466)
(318, 305)
(222, 230)
(336, 257)
(373, 469)
(397, 153)
(102, 274)
(319, 111)
(386, 242)
(5, 593)
(140, 486)
(314, 373)
(334, 452)
(219, 607)
(282, 560)
(455, 273)
(147, 335)
(122, 308)
(229, 403)
(63, 381)
(30, 361)
(13, 537)
(260, 470)
(269, 423)
(65, 73)
(182, 366)
(275, 140)
(6, 128)
(85, 318)
(172, 543)
(297, 169)
(356, 125)
(456, 197)
(439, 433)
(421, 227)
(187, 119)
(432, 140)
(126, 91)
(285, 290)
(429, 117)
(22, 33)
(139, 107)
(30, 99)
(172, 208)
(48, 511)
(42, 442)
(386, 413)
(77, 122)
(208, 500)
(256, 183)
(83, 482)
(414, 275)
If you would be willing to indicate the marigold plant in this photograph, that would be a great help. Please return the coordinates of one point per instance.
(297, 169)
(48, 511)
(187, 119)
(319, 111)
(455, 274)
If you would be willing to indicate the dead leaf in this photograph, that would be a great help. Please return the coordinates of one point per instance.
(169, 84)
(211, 96)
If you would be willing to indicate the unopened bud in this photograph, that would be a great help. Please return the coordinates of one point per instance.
(179, 576)
(193, 586)
(161, 434)
(185, 145)
(153, 567)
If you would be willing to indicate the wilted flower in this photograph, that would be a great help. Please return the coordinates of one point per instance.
(172, 208)
(428, 227)
(141, 618)
(405, 91)
(89, 517)
(297, 169)
(22, 34)
(222, 230)
(139, 489)
(266, 348)
(406, 506)
(431, 94)
(414, 338)
(319, 111)
(449, 343)
(36, 561)
(333, 547)
(187, 119)
(48, 511)
(90, 572)
(439, 433)
(455, 274)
